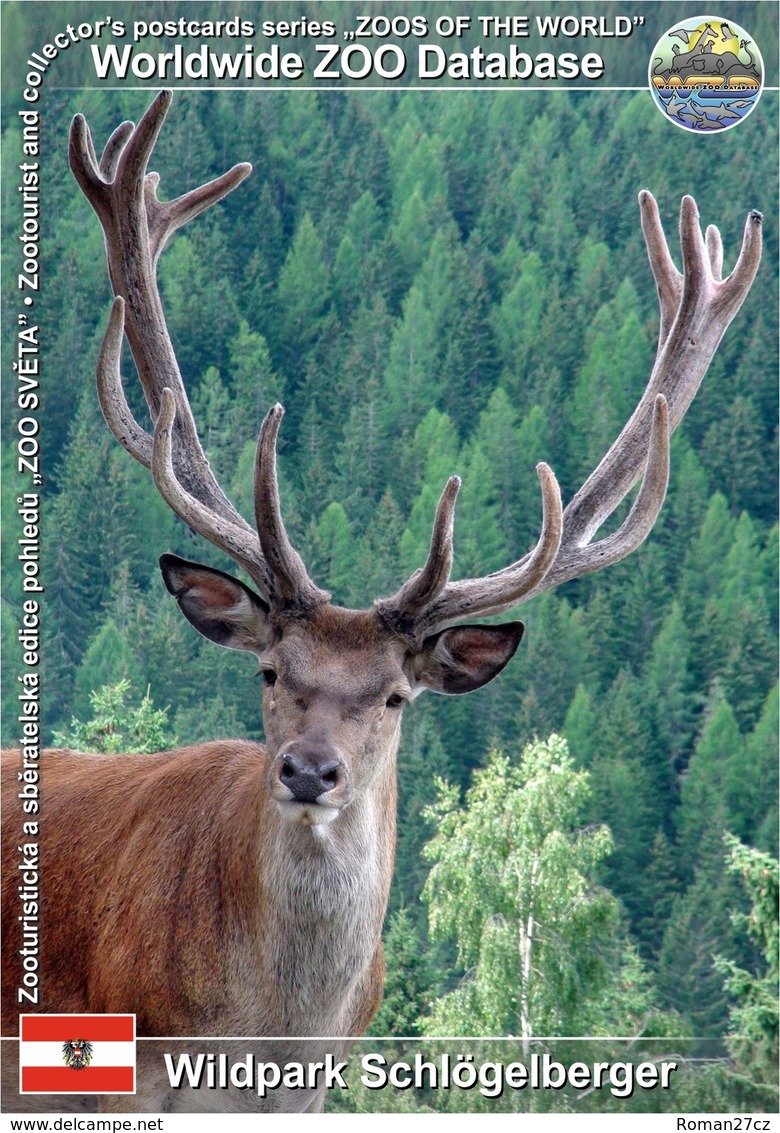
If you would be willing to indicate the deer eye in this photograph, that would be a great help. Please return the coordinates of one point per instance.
(394, 701)
(269, 676)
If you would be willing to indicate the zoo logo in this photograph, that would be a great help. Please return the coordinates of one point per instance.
(706, 74)
(77, 1053)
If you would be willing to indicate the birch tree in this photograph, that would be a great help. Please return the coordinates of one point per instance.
(514, 881)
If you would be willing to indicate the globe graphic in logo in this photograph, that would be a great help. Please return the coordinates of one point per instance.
(706, 74)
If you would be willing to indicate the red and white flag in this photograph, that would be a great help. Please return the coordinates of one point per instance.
(77, 1054)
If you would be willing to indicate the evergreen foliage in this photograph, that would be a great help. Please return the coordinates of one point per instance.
(753, 1032)
(116, 726)
(408, 980)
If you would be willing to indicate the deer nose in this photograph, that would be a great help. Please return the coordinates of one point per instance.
(309, 774)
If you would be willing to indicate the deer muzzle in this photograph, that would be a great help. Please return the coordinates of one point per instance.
(312, 777)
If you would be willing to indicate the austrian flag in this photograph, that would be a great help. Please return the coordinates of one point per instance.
(77, 1054)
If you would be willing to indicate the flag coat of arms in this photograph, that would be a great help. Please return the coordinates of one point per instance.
(77, 1054)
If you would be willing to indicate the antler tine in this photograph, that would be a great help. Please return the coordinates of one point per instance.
(93, 161)
(112, 151)
(221, 532)
(696, 262)
(287, 584)
(735, 287)
(138, 149)
(644, 511)
(714, 251)
(494, 593)
(426, 584)
(171, 215)
(83, 164)
(117, 412)
(576, 561)
(511, 585)
(668, 280)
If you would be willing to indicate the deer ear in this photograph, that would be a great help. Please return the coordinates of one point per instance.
(466, 657)
(220, 607)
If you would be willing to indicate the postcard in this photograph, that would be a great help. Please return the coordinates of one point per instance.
(349, 330)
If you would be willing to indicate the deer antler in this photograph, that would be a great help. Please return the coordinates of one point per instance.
(137, 226)
(696, 308)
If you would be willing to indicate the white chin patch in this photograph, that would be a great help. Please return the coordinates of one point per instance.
(307, 814)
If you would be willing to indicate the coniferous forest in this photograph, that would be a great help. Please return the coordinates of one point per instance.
(457, 283)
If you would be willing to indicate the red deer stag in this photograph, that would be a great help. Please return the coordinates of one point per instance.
(231, 889)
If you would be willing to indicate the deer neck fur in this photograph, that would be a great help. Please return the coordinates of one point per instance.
(323, 895)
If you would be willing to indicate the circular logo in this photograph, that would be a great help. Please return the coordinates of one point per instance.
(706, 74)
